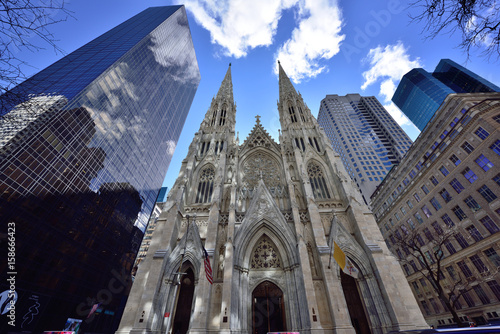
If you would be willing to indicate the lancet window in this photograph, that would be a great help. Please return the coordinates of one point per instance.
(293, 117)
(314, 143)
(222, 119)
(205, 146)
(214, 116)
(219, 145)
(205, 185)
(317, 180)
(301, 113)
(299, 142)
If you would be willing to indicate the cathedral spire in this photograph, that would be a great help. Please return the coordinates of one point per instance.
(222, 111)
(286, 86)
(226, 88)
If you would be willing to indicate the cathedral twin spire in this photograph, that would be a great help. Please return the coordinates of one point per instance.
(222, 112)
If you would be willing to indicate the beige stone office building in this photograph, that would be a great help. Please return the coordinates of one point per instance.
(450, 179)
(267, 214)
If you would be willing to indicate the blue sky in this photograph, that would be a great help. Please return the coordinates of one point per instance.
(326, 47)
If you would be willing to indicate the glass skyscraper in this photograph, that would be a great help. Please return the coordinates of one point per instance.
(365, 136)
(420, 93)
(85, 147)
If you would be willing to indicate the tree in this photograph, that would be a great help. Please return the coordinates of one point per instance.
(478, 21)
(429, 259)
(24, 25)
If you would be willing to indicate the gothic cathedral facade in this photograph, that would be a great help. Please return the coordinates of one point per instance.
(267, 214)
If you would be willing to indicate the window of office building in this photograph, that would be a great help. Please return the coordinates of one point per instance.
(461, 240)
(428, 234)
(488, 195)
(464, 268)
(495, 288)
(426, 211)
(484, 163)
(435, 203)
(478, 263)
(449, 246)
(447, 220)
(437, 228)
(481, 133)
(467, 147)
(469, 175)
(493, 256)
(457, 185)
(474, 233)
(489, 224)
(472, 204)
(456, 161)
(444, 171)
(445, 195)
(418, 217)
(496, 147)
(459, 213)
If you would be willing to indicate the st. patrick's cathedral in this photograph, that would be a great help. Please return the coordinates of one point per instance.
(267, 214)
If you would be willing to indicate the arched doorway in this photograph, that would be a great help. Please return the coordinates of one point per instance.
(268, 312)
(354, 304)
(184, 303)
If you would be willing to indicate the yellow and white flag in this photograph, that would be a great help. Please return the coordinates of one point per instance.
(344, 262)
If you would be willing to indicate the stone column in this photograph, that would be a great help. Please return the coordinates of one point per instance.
(400, 301)
(138, 313)
(228, 267)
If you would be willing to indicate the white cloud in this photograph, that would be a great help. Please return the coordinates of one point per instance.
(239, 25)
(388, 65)
(316, 37)
(398, 116)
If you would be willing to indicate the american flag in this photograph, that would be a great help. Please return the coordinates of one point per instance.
(208, 268)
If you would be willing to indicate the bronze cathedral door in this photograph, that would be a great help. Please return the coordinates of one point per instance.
(268, 313)
(184, 303)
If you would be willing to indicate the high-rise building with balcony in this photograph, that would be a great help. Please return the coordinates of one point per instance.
(85, 147)
(420, 93)
(364, 134)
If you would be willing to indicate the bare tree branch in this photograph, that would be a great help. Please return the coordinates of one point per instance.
(25, 25)
(478, 22)
(429, 260)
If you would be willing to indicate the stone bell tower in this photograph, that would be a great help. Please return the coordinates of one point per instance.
(268, 214)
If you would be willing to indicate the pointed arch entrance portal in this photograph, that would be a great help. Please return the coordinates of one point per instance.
(184, 303)
(354, 304)
(268, 312)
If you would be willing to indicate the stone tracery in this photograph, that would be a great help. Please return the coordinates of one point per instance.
(260, 165)
(265, 255)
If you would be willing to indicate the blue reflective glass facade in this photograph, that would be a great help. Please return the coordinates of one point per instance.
(461, 80)
(87, 145)
(420, 93)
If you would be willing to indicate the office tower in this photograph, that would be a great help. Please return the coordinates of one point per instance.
(148, 234)
(365, 136)
(445, 196)
(268, 215)
(420, 93)
(86, 146)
